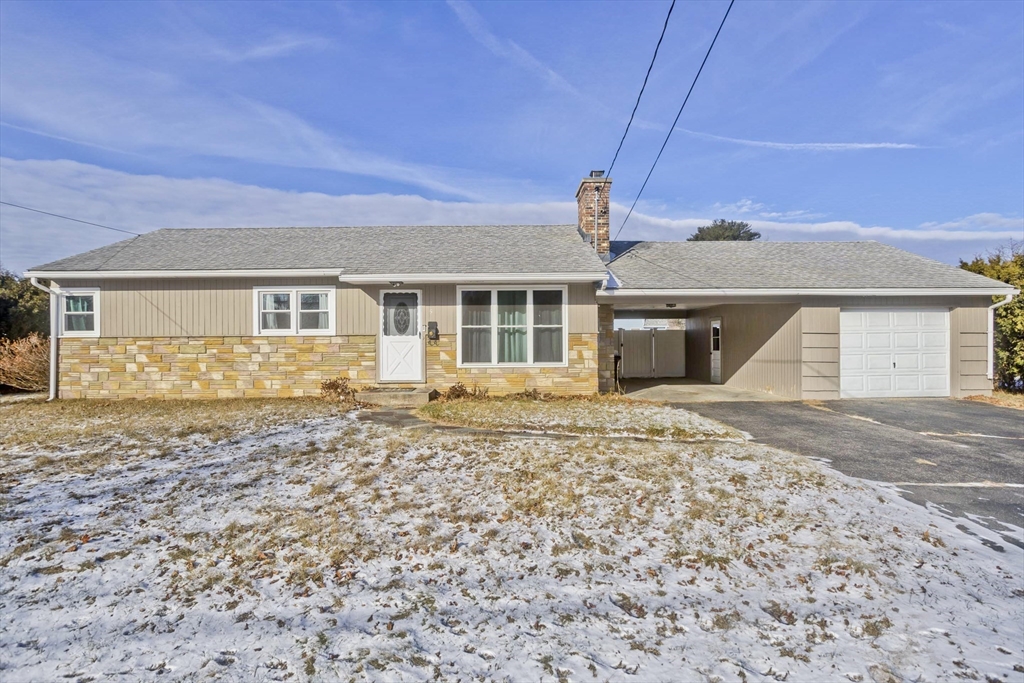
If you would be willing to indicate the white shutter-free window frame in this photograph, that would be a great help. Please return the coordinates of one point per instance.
(564, 289)
(294, 330)
(94, 292)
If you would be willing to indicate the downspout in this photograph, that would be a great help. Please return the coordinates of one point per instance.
(990, 373)
(54, 292)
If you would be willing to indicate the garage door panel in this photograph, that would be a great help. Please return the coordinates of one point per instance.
(878, 361)
(907, 340)
(878, 319)
(879, 383)
(879, 340)
(852, 341)
(908, 361)
(907, 383)
(894, 352)
(905, 319)
(852, 362)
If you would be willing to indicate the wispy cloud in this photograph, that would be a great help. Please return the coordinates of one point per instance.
(803, 146)
(277, 46)
(980, 227)
(78, 95)
(507, 49)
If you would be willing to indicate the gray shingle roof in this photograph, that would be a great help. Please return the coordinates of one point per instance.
(365, 250)
(785, 265)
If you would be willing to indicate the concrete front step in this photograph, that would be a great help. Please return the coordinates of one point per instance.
(397, 398)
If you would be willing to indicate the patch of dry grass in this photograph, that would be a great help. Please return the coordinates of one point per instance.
(83, 424)
(606, 415)
(1001, 398)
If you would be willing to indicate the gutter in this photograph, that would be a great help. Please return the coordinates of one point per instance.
(990, 371)
(54, 292)
(355, 278)
(755, 292)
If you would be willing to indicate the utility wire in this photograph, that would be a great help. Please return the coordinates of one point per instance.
(68, 218)
(660, 38)
(673, 127)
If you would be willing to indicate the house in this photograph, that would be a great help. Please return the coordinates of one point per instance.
(211, 313)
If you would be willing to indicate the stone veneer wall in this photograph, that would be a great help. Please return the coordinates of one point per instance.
(607, 347)
(211, 367)
(579, 377)
(237, 367)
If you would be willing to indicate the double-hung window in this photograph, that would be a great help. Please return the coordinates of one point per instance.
(293, 310)
(80, 309)
(512, 326)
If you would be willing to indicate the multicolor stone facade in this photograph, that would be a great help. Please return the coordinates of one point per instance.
(238, 367)
(606, 348)
(211, 367)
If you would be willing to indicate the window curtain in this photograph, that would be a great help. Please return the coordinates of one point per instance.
(512, 327)
(547, 330)
(313, 313)
(276, 311)
(476, 327)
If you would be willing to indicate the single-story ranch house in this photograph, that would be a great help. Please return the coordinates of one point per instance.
(274, 311)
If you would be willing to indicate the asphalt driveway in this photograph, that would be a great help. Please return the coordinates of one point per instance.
(966, 457)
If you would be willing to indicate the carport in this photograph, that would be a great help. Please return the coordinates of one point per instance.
(810, 320)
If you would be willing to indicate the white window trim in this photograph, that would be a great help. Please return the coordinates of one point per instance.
(294, 330)
(77, 291)
(529, 324)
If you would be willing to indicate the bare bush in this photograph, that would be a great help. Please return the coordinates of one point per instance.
(25, 363)
(336, 389)
(459, 391)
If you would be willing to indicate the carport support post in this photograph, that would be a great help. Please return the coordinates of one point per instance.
(606, 348)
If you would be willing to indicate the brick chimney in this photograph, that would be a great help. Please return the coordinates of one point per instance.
(592, 202)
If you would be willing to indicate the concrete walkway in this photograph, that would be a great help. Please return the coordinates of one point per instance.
(690, 391)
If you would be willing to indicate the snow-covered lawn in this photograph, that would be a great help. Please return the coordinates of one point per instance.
(599, 417)
(294, 542)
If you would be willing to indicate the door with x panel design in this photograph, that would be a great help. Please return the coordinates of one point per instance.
(401, 337)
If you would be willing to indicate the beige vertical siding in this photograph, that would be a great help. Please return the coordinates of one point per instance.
(224, 306)
(967, 341)
(969, 357)
(761, 347)
(819, 341)
(357, 310)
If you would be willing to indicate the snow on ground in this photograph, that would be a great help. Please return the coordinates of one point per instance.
(602, 417)
(326, 547)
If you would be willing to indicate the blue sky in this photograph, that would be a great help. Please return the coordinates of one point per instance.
(902, 122)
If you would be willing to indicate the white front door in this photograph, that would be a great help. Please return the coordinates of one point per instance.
(401, 337)
(893, 352)
(716, 351)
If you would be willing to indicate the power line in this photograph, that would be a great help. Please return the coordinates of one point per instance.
(660, 38)
(68, 218)
(680, 112)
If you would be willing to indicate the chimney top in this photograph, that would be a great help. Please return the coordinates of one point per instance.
(597, 174)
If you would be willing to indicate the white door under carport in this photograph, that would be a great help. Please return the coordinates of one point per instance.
(893, 352)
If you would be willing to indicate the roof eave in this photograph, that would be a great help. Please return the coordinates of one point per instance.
(831, 291)
(352, 278)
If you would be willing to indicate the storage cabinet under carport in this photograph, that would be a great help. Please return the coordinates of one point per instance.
(894, 352)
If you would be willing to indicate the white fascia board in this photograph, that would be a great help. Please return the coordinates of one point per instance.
(471, 278)
(380, 278)
(713, 293)
(177, 274)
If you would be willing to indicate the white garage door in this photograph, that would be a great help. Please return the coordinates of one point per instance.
(893, 352)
